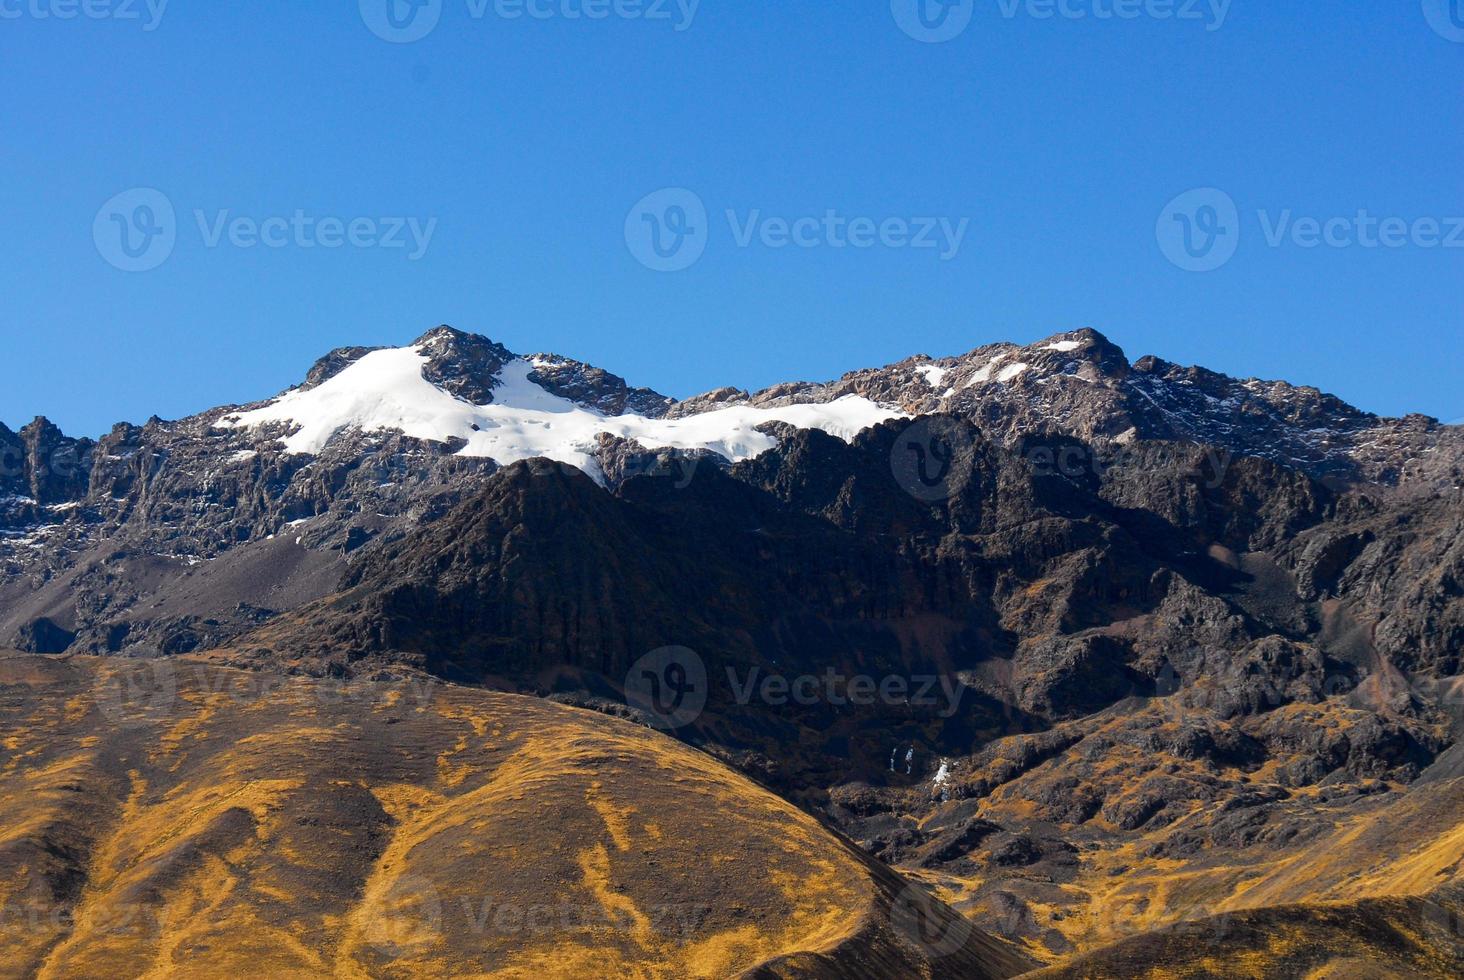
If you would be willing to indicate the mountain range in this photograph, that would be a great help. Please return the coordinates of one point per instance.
(1137, 667)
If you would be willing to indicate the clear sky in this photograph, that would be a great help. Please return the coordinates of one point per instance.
(526, 144)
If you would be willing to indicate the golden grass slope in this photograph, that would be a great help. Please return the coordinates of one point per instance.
(1415, 938)
(164, 819)
(1350, 839)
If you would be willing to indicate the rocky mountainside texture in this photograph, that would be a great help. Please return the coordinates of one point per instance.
(1148, 645)
(108, 544)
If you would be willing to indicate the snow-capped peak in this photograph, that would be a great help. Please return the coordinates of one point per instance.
(387, 390)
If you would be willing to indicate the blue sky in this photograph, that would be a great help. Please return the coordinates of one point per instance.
(1066, 150)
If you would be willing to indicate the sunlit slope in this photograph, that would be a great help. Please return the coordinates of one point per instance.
(1148, 817)
(180, 820)
(1379, 896)
(1370, 939)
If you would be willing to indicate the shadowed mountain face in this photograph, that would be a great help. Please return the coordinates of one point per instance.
(1041, 596)
(109, 545)
(1104, 658)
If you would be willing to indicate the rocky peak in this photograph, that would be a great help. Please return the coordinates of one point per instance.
(39, 429)
(334, 363)
(463, 364)
(1093, 347)
(593, 387)
(722, 398)
(46, 465)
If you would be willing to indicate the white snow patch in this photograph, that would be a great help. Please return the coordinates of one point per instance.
(189, 560)
(1012, 371)
(983, 375)
(941, 778)
(243, 456)
(1064, 346)
(933, 373)
(385, 390)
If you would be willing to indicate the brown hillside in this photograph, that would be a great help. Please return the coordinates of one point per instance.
(171, 819)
